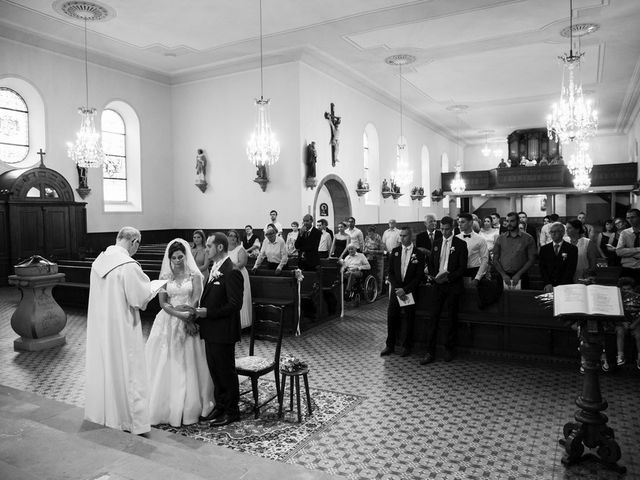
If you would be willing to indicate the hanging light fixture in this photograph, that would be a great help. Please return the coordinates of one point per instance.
(402, 175)
(263, 148)
(87, 151)
(457, 184)
(580, 165)
(573, 117)
(486, 150)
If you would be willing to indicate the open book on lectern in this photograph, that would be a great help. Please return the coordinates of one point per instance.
(579, 299)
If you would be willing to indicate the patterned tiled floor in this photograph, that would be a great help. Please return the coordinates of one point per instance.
(476, 417)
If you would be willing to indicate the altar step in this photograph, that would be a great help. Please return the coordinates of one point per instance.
(42, 438)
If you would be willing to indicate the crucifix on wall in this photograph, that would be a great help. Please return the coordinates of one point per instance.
(334, 123)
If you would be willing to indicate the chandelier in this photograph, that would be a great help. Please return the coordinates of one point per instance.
(457, 184)
(573, 117)
(402, 175)
(263, 148)
(580, 165)
(87, 151)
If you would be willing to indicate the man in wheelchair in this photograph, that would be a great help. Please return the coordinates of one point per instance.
(353, 266)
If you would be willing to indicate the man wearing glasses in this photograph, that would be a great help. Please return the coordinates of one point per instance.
(274, 250)
(628, 248)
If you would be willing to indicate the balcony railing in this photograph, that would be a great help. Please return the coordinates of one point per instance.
(549, 177)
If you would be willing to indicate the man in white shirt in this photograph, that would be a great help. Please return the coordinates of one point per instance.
(355, 234)
(477, 250)
(391, 236)
(325, 239)
(273, 215)
(274, 250)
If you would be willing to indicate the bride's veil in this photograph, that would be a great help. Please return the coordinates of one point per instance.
(189, 264)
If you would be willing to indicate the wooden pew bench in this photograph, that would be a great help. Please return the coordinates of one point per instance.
(277, 290)
(516, 323)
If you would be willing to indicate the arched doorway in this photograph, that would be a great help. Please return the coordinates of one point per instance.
(332, 191)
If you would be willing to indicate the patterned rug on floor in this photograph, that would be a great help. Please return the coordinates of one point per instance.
(269, 436)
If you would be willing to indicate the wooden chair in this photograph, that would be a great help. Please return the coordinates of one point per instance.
(267, 327)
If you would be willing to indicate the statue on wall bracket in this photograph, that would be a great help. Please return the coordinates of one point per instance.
(201, 170)
(311, 159)
(83, 184)
(262, 177)
(334, 124)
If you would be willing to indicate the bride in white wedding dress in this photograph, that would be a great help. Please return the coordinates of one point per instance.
(180, 385)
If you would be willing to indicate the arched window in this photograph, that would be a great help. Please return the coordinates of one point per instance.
(426, 176)
(22, 127)
(14, 126)
(114, 135)
(371, 164)
(120, 126)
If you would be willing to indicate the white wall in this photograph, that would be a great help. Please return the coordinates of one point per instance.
(218, 115)
(317, 91)
(60, 81)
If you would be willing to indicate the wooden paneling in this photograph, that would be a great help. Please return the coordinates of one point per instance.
(56, 232)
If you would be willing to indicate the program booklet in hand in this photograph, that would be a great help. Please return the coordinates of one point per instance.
(587, 300)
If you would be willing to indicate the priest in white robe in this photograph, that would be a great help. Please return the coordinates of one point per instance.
(116, 393)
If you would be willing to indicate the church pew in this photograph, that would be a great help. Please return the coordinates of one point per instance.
(277, 290)
(516, 323)
(74, 291)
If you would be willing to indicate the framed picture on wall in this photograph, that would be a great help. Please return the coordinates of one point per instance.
(324, 210)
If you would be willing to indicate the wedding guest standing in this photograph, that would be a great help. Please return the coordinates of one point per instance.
(239, 257)
(406, 269)
(199, 252)
(340, 240)
(117, 392)
(558, 259)
(307, 244)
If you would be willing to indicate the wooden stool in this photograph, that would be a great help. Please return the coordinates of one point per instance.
(295, 377)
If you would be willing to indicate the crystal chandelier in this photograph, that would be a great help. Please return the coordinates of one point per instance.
(457, 184)
(402, 175)
(580, 165)
(486, 150)
(573, 118)
(263, 148)
(87, 151)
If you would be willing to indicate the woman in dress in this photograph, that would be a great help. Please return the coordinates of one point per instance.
(606, 247)
(340, 240)
(199, 252)
(489, 233)
(586, 250)
(238, 256)
(292, 236)
(180, 384)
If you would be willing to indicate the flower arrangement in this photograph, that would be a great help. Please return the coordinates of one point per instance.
(417, 191)
(362, 185)
(289, 363)
(437, 195)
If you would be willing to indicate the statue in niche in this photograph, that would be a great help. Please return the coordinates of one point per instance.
(334, 123)
(311, 160)
(201, 167)
(82, 177)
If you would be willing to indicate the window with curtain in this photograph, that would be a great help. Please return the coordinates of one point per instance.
(114, 145)
(14, 126)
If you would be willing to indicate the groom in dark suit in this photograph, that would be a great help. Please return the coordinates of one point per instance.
(406, 269)
(447, 264)
(219, 320)
(557, 260)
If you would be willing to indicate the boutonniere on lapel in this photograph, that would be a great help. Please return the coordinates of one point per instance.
(216, 276)
(452, 249)
(414, 259)
(564, 256)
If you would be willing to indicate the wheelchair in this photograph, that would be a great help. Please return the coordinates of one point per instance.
(363, 288)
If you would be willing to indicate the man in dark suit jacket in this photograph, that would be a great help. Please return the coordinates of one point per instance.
(447, 264)
(557, 260)
(425, 240)
(307, 244)
(406, 269)
(219, 320)
(530, 229)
